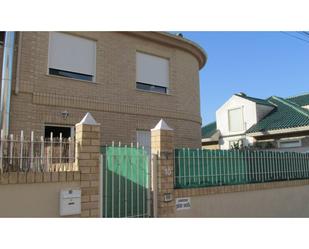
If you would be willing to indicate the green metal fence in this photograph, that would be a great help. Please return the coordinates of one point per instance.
(202, 168)
(125, 182)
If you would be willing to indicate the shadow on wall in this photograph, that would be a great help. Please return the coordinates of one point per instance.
(125, 182)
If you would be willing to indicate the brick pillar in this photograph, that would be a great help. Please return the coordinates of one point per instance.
(162, 144)
(87, 157)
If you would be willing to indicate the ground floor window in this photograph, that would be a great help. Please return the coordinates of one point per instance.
(143, 138)
(290, 143)
(236, 144)
(66, 131)
(2, 36)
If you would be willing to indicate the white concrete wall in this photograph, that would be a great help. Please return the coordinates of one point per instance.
(277, 202)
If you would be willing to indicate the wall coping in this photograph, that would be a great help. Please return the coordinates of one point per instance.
(39, 177)
(190, 192)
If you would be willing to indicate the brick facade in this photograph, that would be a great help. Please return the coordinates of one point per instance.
(113, 98)
(238, 188)
(88, 154)
(38, 177)
(162, 144)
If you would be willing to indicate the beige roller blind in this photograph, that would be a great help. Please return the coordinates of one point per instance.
(236, 121)
(152, 70)
(72, 53)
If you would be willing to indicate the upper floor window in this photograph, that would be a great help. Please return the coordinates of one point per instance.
(152, 73)
(71, 56)
(236, 120)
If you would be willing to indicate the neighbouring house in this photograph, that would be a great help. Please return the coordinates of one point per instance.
(275, 123)
(210, 136)
(127, 80)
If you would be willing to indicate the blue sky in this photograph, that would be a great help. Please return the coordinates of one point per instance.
(261, 64)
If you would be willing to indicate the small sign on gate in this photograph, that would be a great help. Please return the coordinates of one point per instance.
(183, 203)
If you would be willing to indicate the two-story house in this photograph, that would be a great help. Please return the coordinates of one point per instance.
(274, 123)
(128, 81)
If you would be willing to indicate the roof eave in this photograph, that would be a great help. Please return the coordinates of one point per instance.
(205, 140)
(249, 99)
(278, 131)
(176, 41)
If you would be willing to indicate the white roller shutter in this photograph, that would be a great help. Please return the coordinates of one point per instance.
(72, 53)
(236, 121)
(152, 70)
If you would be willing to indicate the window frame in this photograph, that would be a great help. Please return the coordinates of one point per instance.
(153, 91)
(167, 89)
(148, 132)
(242, 119)
(93, 80)
(76, 76)
(298, 141)
(240, 141)
(72, 127)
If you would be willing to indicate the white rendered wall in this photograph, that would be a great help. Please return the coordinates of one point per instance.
(252, 113)
(306, 107)
(249, 115)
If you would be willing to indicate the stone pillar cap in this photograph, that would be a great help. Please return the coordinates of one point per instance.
(162, 125)
(88, 120)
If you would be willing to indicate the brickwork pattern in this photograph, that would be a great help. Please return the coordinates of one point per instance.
(162, 144)
(38, 177)
(238, 188)
(113, 97)
(88, 154)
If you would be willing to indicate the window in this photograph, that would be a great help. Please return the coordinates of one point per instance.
(2, 36)
(144, 139)
(236, 144)
(151, 88)
(66, 131)
(290, 144)
(71, 56)
(236, 121)
(152, 73)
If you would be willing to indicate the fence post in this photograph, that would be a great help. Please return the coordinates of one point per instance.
(162, 144)
(88, 158)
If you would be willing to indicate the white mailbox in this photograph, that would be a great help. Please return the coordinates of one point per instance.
(70, 200)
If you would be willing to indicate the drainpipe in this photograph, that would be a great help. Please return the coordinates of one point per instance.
(6, 84)
(20, 35)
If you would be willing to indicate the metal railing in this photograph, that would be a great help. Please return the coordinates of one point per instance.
(126, 181)
(18, 153)
(203, 168)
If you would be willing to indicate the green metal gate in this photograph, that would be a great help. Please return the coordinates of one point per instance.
(125, 182)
